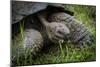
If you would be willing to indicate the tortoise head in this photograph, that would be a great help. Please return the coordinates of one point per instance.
(58, 31)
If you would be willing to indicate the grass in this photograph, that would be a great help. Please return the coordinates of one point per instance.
(64, 52)
(70, 54)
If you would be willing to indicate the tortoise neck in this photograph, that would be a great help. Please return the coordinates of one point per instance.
(43, 20)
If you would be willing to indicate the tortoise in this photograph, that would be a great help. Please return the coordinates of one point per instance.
(34, 35)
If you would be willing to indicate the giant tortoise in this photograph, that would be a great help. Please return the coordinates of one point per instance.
(35, 25)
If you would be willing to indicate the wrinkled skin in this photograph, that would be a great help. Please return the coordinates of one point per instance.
(57, 31)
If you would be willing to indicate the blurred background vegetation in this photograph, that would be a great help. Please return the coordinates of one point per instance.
(68, 52)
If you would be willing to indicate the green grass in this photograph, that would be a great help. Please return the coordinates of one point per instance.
(65, 52)
(70, 54)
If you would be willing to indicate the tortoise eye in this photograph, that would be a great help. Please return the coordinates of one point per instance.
(59, 32)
